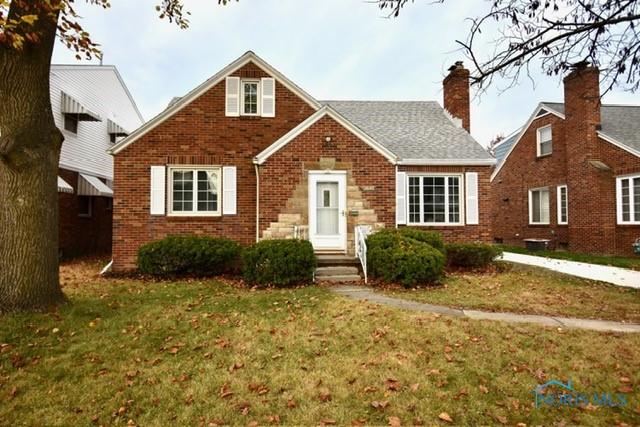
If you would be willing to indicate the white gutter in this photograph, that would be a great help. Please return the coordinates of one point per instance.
(257, 202)
(447, 162)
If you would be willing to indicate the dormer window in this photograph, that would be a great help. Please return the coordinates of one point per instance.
(545, 141)
(250, 95)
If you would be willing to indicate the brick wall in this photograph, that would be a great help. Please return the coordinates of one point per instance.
(80, 235)
(198, 134)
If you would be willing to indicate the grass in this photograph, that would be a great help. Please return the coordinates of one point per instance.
(523, 289)
(209, 353)
(613, 261)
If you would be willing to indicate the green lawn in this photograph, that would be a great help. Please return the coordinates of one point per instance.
(523, 289)
(614, 261)
(210, 353)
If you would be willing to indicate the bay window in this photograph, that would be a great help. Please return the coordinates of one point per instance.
(194, 191)
(435, 199)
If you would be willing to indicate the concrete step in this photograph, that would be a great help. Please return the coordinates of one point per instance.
(340, 279)
(336, 271)
(331, 260)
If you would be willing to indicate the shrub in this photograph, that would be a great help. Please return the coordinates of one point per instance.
(279, 262)
(429, 237)
(471, 255)
(188, 256)
(394, 257)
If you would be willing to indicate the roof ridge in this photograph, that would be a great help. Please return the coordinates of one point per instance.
(378, 101)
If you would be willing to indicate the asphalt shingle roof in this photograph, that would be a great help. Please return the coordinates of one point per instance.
(412, 129)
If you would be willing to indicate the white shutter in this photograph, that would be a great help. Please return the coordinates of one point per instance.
(471, 179)
(229, 193)
(401, 198)
(232, 104)
(158, 190)
(268, 86)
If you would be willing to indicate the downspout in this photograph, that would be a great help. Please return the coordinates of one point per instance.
(395, 199)
(257, 201)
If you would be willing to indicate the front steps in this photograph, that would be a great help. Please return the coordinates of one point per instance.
(338, 274)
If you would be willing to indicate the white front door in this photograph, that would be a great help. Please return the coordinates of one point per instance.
(327, 206)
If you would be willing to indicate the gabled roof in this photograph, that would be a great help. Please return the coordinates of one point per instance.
(417, 132)
(324, 111)
(208, 84)
(620, 126)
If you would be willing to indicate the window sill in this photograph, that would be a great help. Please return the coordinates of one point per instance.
(539, 224)
(434, 224)
(194, 215)
(542, 156)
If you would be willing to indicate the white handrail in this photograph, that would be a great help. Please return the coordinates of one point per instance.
(362, 231)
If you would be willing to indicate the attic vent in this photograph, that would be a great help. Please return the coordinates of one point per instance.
(542, 112)
(456, 121)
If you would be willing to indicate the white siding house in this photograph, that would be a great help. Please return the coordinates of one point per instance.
(100, 90)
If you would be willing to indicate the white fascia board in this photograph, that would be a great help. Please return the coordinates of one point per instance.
(534, 116)
(446, 162)
(324, 111)
(204, 87)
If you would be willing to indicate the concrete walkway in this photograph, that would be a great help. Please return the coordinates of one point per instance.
(602, 273)
(363, 293)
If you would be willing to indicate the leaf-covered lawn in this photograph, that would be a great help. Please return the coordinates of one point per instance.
(207, 353)
(523, 289)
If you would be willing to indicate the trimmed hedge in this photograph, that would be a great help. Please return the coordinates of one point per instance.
(188, 256)
(279, 262)
(395, 257)
(429, 237)
(471, 255)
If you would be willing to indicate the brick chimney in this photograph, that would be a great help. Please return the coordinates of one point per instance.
(582, 106)
(589, 215)
(456, 94)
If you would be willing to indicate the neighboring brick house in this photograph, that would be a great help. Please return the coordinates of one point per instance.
(249, 155)
(572, 173)
(93, 109)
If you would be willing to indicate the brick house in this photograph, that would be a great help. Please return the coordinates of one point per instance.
(571, 174)
(250, 155)
(93, 109)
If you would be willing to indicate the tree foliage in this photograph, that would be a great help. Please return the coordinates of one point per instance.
(554, 35)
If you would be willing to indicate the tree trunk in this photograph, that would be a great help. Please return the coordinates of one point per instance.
(29, 153)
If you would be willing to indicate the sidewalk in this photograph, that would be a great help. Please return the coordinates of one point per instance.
(362, 293)
(602, 273)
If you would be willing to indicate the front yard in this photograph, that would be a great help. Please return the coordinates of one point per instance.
(530, 290)
(209, 353)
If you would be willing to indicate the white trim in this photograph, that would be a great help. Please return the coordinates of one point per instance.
(341, 237)
(229, 190)
(540, 189)
(264, 97)
(559, 204)
(618, 144)
(539, 142)
(632, 212)
(446, 162)
(461, 200)
(541, 106)
(204, 87)
(472, 198)
(401, 197)
(324, 111)
(232, 96)
(195, 169)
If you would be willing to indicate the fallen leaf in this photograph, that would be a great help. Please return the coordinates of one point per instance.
(392, 384)
(483, 389)
(225, 391)
(625, 380)
(236, 366)
(380, 404)
(625, 389)
(394, 421)
(445, 417)
(501, 419)
(418, 422)
(327, 422)
(291, 403)
(324, 397)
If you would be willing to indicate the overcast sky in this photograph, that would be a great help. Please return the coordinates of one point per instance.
(334, 49)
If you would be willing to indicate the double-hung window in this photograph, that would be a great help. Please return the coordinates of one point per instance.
(539, 206)
(250, 97)
(435, 200)
(545, 141)
(563, 203)
(194, 191)
(628, 199)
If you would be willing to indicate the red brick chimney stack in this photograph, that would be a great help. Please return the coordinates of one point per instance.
(582, 103)
(456, 94)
